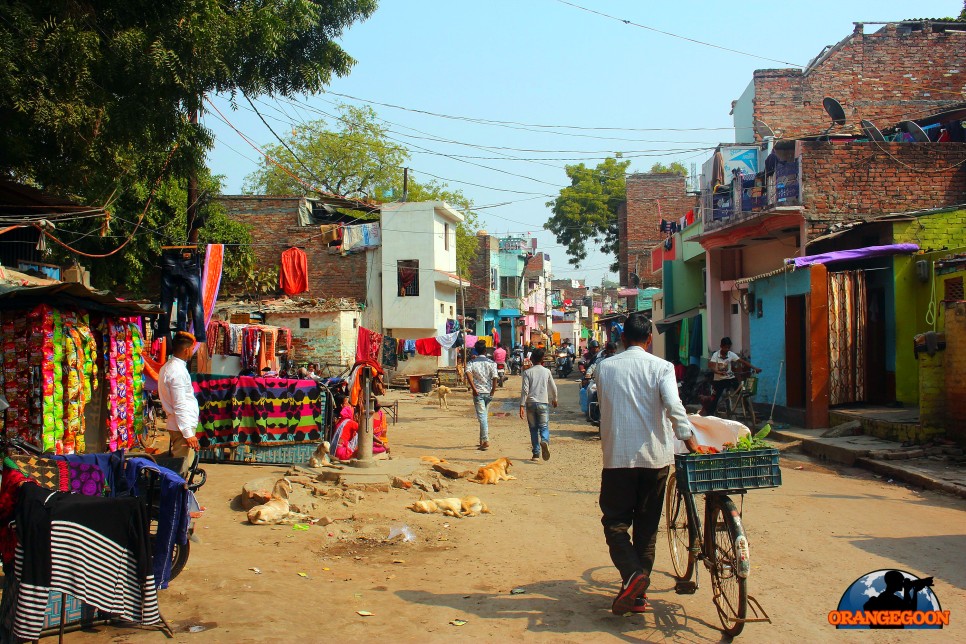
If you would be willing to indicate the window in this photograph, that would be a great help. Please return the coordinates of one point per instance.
(451, 311)
(953, 289)
(442, 308)
(510, 286)
(445, 236)
(407, 277)
(494, 279)
(303, 323)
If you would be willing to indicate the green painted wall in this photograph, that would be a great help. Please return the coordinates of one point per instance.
(687, 286)
(938, 235)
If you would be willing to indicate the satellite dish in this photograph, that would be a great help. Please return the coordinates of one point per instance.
(762, 130)
(871, 131)
(834, 110)
(917, 133)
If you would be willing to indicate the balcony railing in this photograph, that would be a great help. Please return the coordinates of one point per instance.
(510, 303)
(749, 196)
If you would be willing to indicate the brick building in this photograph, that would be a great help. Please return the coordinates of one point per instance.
(650, 198)
(274, 223)
(904, 70)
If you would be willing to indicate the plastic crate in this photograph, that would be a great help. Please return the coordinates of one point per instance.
(700, 473)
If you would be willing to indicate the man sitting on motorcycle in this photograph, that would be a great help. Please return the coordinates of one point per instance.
(499, 357)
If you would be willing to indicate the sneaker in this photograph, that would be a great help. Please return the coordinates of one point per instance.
(534, 458)
(633, 588)
(545, 450)
(641, 605)
(485, 445)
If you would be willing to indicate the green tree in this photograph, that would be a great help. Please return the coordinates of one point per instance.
(353, 157)
(586, 211)
(96, 95)
(673, 168)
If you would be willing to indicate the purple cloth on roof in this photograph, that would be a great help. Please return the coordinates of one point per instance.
(854, 253)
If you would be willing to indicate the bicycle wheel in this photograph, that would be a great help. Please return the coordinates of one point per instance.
(727, 562)
(679, 537)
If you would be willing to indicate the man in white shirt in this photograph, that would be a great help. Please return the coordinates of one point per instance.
(639, 406)
(724, 376)
(482, 377)
(178, 398)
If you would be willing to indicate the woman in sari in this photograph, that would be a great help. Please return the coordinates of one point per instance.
(380, 428)
(346, 435)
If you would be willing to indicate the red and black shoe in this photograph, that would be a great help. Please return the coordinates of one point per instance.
(633, 588)
(641, 605)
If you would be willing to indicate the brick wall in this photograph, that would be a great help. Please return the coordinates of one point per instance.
(894, 74)
(273, 225)
(845, 181)
(640, 226)
(478, 295)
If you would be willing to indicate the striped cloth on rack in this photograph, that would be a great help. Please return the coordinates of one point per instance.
(92, 548)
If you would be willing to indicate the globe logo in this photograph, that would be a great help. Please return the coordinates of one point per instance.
(889, 598)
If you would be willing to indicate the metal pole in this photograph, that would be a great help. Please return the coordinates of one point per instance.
(364, 453)
(405, 194)
(771, 414)
(463, 323)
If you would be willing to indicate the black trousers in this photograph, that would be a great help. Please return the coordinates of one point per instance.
(181, 279)
(632, 499)
(720, 386)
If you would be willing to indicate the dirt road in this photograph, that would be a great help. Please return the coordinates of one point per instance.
(809, 540)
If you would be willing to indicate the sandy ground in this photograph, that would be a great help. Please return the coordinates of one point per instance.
(809, 540)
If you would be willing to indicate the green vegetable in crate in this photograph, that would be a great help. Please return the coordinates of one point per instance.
(749, 443)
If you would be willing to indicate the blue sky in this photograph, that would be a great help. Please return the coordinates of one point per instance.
(543, 62)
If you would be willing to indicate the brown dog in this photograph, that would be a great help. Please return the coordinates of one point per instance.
(472, 506)
(441, 392)
(494, 472)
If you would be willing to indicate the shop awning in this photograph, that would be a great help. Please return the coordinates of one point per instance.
(671, 320)
(15, 296)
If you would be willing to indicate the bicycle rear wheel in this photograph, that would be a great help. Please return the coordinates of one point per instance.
(729, 566)
(679, 537)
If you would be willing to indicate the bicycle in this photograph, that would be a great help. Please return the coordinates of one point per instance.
(738, 402)
(720, 542)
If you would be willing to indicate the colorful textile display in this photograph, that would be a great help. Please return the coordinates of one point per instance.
(368, 345)
(43, 471)
(85, 478)
(124, 369)
(211, 279)
(245, 410)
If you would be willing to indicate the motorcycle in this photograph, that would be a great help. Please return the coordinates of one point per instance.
(516, 362)
(501, 373)
(565, 364)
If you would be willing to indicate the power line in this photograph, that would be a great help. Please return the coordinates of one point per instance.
(680, 37)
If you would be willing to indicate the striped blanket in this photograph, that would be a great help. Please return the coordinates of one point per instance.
(243, 410)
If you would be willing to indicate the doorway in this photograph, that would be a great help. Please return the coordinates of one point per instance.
(795, 340)
(877, 387)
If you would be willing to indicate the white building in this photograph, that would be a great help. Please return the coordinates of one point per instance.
(418, 275)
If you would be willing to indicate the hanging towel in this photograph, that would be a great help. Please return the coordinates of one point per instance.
(211, 278)
(428, 347)
(448, 340)
(389, 351)
(293, 276)
(330, 233)
(410, 346)
(368, 345)
(361, 237)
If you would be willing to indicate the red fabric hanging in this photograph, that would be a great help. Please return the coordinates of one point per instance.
(368, 345)
(428, 347)
(293, 276)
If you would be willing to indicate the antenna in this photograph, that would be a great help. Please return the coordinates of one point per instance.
(871, 131)
(762, 130)
(917, 133)
(835, 112)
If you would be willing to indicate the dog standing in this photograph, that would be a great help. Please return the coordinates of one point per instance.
(442, 391)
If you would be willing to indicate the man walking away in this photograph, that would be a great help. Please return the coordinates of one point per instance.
(178, 399)
(639, 405)
(482, 377)
(537, 394)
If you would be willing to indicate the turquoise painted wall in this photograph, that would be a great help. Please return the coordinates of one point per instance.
(768, 332)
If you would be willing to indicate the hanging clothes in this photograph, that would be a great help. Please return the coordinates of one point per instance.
(211, 280)
(293, 276)
(447, 340)
(410, 347)
(389, 357)
(93, 548)
(368, 345)
(847, 324)
(450, 326)
(330, 233)
(181, 280)
(428, 347)
(10, 484)
(684, 340)
(361, 237)
(471, 340)
(496, 336)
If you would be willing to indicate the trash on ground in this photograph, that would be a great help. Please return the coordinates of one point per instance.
(399, 561)
(302, 574)
(458, 622)
(404, 530)
(800, 467)
(364, 613)
(197, 629)
(256, 571)
(300, 526)
(518, 591)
